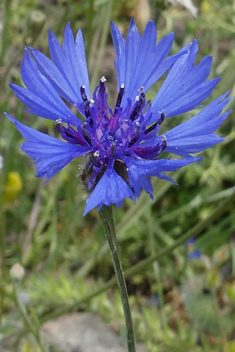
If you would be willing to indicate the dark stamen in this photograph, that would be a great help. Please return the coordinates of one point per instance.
(68, 134)
(140, 101)
(113, 150)
(164, 142)
(137, 135)
(91, 123)
(85, 133)
(151, 128)
(161, 119)
(159, 122)
(83, 93)
(120, 95)
(58, 125)
(148, 103)
(86, 108)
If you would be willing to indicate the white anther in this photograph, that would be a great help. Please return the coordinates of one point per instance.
(92, 101)
(58, 121)
(122, 85)
(96, 154)
(83, 87)
(137, 98)
(103, 79)
(127, 169)
(137, 123)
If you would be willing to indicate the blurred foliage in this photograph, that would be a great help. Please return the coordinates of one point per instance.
(178, 304)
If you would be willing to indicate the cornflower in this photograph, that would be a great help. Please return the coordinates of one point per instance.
(192, 253)
(123, 146)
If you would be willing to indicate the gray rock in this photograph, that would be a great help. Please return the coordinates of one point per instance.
(84, 333)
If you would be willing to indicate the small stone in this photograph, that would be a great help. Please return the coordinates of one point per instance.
(84, 333)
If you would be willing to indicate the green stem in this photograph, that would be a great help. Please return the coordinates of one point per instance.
(106, 216)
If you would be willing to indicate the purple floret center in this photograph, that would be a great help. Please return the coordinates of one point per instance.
(115, 134)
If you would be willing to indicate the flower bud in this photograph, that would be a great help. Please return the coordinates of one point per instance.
(17, 272)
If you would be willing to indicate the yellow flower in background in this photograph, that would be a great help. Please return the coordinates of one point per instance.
(205, 6)
(13, 187)
(230, 346)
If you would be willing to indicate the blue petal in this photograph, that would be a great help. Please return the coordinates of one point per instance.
(139, 167)
(53, 74)
(68, 72)
(139, 180)
(119, 45)
(50, 154)
(152, 61)
(132, 47)
(194, 255)
(205, 122)
(111, 189)
(190, 145)
(196, 134)
(184, 88)
(40, 97)
(76, 60)
(140, 62)
(81, 61)
(146, 48)
(200, 72)
(178, 74)
(167, 165)
(72, 61)
(191, 99)
(160, 70)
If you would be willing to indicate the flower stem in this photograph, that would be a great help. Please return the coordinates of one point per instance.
(106, 216)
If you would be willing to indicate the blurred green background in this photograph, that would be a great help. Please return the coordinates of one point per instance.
(185, 301)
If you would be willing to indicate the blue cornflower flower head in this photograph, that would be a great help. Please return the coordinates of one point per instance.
(192, 253)
(122, 146)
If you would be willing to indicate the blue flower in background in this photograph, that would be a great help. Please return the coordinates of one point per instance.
(192, 253)
(122, 145)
